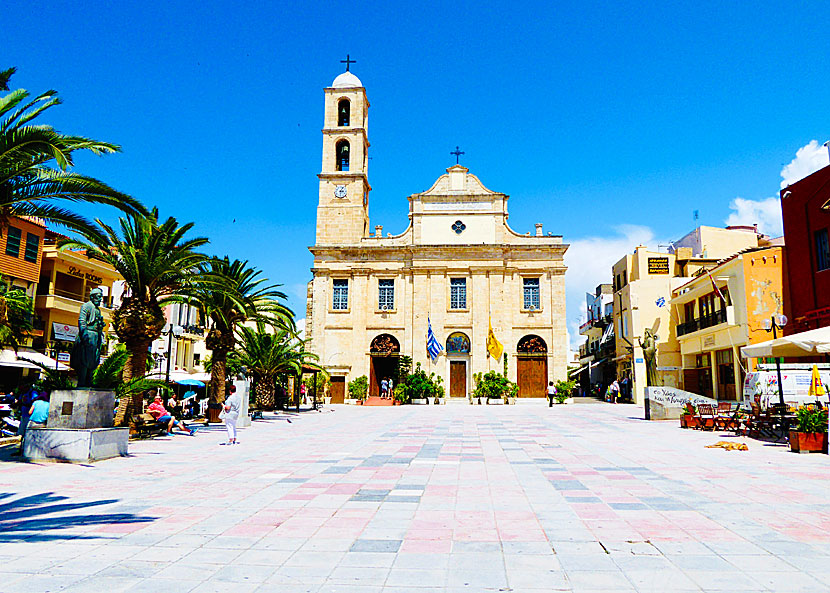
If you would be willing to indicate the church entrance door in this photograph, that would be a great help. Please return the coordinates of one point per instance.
(532, 366)
(337, 390)
(532, 375)
(458, 378)
(383, 367)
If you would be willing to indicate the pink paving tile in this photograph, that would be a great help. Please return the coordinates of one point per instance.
(121, 528)
(292, 496)
(429, 534)
(249, 530)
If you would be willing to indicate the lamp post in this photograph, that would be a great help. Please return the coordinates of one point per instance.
(172, 330)
(773, 323)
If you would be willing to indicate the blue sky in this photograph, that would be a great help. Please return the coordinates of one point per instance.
(609, 122)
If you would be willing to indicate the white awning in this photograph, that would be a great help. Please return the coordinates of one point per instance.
(809, 343)
(181, 375)
(24, 356)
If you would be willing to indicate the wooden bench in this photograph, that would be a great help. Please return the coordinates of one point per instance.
(147, 426)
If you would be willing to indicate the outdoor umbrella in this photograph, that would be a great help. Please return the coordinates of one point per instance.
(809, 343)
(190, 382)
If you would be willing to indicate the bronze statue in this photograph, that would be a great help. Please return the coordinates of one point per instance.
(649, 346)
(86, 353)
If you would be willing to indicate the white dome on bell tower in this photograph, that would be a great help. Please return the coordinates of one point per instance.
(347, 80)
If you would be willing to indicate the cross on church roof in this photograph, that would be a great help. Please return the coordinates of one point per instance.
(348, 61)
(457, 154)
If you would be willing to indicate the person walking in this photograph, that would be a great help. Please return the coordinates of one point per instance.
(551, 393)
(384, 388)
(230, 414)
(615, 391)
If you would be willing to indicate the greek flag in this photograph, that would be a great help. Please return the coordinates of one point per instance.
(433, 347)
(661, 302)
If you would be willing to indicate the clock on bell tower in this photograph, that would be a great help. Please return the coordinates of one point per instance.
(343, 205)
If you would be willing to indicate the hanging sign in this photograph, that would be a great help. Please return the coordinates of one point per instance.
(64, 332)
(658, 265)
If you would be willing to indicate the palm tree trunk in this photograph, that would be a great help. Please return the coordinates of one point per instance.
(265, 393)
(136, 365)
(217, 375)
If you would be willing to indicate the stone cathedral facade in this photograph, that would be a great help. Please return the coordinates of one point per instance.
(457, 264)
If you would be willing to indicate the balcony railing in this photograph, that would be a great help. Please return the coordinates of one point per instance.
(694, 325)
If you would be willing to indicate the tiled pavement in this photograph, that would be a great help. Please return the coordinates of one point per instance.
(422, 499)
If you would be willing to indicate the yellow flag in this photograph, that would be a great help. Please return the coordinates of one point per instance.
(494, 347)
(816, 387)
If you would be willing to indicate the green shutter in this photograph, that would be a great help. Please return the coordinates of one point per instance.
(13, 237)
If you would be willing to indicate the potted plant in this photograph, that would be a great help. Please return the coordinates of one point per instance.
(564, 391)
(811, 434)
(359, 388)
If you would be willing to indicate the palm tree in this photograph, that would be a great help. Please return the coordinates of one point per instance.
(28, 185)
(268, 354)
(157, 262)
(228, 294)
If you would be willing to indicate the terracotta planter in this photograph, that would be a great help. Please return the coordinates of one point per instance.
(808, 442)
(692, 421)
(684, 419)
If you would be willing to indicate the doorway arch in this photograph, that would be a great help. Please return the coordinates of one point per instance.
(532, 366)
(384, 352)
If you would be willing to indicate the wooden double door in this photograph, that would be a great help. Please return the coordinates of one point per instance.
(532, 375)
(458, 378)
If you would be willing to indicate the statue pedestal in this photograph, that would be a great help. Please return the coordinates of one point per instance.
(80, 445)
(79, 429)
(81, 408)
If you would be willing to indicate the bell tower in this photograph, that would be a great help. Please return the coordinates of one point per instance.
(343, 206)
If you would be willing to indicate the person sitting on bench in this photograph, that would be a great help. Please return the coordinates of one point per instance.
(162, 416)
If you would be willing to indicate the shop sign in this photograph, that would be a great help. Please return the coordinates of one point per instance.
(63, 356)
(73, 271)
(64, 332)
(639, 360)
(669, 368)
(708, 341)
(658, 265)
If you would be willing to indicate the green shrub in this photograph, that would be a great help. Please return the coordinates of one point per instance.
(359, 388)
(494, 385)
(418, 385)
(812, 420)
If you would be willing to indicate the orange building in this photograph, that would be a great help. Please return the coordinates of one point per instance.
(66, 279)
(720, 311)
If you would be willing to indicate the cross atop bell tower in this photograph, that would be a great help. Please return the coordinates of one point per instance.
(343, 206)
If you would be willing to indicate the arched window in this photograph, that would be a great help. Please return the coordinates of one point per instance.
(531, 345)
(385, 344)
(458, 343)
(343, 109)
(342, 155)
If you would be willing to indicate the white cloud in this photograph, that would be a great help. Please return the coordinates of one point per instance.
(765, 213)
(808, 159)
(589, 262)
(301, 328)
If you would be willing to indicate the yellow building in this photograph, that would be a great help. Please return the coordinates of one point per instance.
(643, 284)
(66, 279)
(713, 323)
(457, 265)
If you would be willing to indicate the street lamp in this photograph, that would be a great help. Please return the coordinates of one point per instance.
(172, 330)
(773, 323)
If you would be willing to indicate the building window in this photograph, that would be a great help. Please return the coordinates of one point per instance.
(343, 112)
(531, 294)
(342, 154)
(822, 250)
(458, 293)
(13, 237)
(340, 299)
(32, 244)
(386, 295)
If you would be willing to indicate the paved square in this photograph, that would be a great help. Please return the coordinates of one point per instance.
(422, 499)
